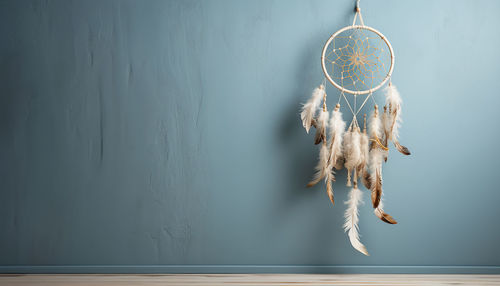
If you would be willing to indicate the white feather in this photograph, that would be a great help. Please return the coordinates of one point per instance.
(323, 119)
(393, 99)
(375, 162)
(337, 129)
(392, 96)
(351, 216)
(386, 122)
(309, 108)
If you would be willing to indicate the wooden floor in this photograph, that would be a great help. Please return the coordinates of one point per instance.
(248, 279)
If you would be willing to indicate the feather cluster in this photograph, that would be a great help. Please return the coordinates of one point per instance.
(361, 152)
(378, 153)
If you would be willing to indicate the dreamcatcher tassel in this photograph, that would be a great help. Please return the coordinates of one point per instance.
(352, 219)
(393, 101)
(321, 168)
(309, 108)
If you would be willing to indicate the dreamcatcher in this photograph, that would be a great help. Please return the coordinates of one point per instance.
(357, 60)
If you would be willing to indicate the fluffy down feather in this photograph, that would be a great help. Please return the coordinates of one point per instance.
(353, 150)
(352, 219)
(309, 108)
(392, 97)
(375, 125)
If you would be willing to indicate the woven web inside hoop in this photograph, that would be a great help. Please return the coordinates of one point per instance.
(358, 59)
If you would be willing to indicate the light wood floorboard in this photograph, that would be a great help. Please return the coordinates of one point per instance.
(247, 279)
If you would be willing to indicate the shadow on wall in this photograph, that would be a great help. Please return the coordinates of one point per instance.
(302, 158)
(292, 135)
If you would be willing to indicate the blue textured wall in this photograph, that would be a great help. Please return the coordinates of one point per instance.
(167, 133)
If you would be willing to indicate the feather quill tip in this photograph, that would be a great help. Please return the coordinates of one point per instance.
(361, 248)
(329, 191)
(402, 149)
(311, 184)
(385, 217)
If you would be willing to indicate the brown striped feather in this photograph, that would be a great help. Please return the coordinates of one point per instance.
(377, 189)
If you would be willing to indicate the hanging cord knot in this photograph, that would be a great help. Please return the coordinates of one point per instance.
(357, 11)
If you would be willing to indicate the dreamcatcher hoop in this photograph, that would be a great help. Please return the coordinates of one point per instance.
(356, 27)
